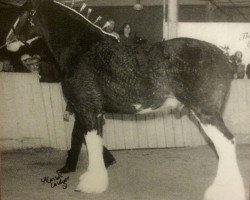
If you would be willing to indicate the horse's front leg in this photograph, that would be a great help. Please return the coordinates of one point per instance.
(77, 139)
(95, 179)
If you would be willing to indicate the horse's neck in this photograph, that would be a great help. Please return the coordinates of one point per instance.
(66, 36)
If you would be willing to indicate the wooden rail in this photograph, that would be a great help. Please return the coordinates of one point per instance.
(31, 115)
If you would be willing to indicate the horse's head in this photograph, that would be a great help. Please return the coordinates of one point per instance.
(24, 31)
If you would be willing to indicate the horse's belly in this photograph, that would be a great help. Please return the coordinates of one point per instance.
(169, 103)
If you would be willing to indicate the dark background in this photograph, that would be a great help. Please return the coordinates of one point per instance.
(147, 22)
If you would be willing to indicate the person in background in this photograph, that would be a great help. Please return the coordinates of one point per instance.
(5, 66)
(240, 71)
(239, 67)
(35, 65)
(45, 70)
(125, 34)
(111, 27)
(248, 71)
(31, 63)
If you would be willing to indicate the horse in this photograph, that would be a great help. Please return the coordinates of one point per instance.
(101, 75)
(15, 42)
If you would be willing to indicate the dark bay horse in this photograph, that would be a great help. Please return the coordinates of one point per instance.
(101, 75)
(77, 134)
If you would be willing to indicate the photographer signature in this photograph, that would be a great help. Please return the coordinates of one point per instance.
(245, 36)
(56, 181)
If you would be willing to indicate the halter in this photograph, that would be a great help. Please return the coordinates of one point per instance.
(15, 34)
(12, 30)
(30, 19)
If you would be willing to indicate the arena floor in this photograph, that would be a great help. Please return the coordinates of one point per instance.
(172, 174)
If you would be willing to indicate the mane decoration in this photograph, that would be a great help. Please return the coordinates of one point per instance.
(86, 17)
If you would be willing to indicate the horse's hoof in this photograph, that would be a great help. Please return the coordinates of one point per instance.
(93, 182)
(66, 169)
(225, 191)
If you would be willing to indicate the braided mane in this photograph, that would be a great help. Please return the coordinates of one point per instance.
(84, 18)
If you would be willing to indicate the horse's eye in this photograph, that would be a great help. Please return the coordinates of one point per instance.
(32, 12)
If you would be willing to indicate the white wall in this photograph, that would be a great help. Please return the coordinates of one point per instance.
(220, 34)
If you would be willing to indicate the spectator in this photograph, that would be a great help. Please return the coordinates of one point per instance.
(239, 67)
(240, 71)
(125, 34)
(111, 27)
(46, 71)
(31, 63)
(5, 66)
(248, 71)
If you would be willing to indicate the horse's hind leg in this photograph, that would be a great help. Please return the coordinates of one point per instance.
(228, 183)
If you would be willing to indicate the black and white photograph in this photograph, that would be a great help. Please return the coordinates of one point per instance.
(125, 99)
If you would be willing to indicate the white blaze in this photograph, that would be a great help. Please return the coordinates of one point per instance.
(11, 30)
(14, 46)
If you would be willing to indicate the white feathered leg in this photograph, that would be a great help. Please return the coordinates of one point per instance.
(228, 184)
(95, 179)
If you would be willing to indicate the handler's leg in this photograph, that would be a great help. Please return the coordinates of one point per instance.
(108, 157)
(228, 182)
(77, 139)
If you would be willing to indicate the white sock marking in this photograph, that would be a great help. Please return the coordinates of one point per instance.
(95, 179)
(228, 182)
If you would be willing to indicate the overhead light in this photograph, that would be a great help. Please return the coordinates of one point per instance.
(138, 5)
